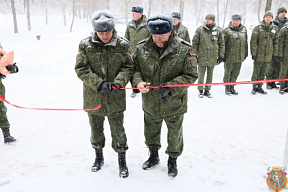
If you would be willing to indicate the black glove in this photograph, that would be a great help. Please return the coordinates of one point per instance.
(117, 89)
(275, 58)
(254, 57)
(220, 60)
(106, 87)
(280, 59)
(163, 92)
(12, 68)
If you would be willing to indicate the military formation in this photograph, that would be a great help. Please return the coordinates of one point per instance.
(158, 51)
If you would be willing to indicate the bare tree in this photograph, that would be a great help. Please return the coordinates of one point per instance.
(268, 5)
(64, 11)
(73, 16)
(126, 7)
(259, 9)
(46, 11)
(182, 7)
(28, 15)
(225, 12)
(149, 8)
(14, 16)
(218, 13)
(244, 12)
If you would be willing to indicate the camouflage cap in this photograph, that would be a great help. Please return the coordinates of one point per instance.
(281, 9)
(268, 13)
(176, 15)
(210, 16)
(102, 21)
(137, 8)
(160, 24)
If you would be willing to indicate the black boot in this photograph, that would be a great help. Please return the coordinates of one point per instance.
(153, 159)
(282, 86)
(207, 94)
(123, 169)
(274, 86)
(233, 91)
(255, 89)
(200, 94)
(227, 90)
(268, 86)
(172, 167)
(260, 90)
(7, 137)
(99, 161)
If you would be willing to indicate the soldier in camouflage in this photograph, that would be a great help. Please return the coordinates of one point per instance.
(264, 48)
(105, 65)
(178, 28)
(163, 60)
(208, 44)
(283, 57)
(280, 20)
(236, 51)
(4, 123)
(136, 30)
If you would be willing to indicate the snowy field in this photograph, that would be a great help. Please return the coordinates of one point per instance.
(229, 141)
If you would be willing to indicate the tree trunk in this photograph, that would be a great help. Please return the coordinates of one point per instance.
(73, 16)
(259, 9)
(46, 12)
(218, 17)
(64, 12)
(149, 8)
(108, 4)
(225, 12)
(28, 15)
(14, 16)
(244, 12)
(126, 11)
(268, 5)
(182, 8)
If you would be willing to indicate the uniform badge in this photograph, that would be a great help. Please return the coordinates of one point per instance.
(276, 179)
(192, 53)
(129, 50)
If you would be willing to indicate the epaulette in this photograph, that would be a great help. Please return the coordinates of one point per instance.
(141, 42)
(186, 43)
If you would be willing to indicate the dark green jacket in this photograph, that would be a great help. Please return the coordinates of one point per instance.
(182, 32)
(98, 62)
(176, 65)
(236, 44)
(283, 43)
(208, 45)
(264, 42)
(136, 33)
(277, 22)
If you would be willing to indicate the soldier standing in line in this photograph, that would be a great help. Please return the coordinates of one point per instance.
(105, 65)
(4, 123)
(161, 60)
(208, 44)
(178, 28)
(280, 20)
(236, 51)
(264, 49)
(136, 30)
(283, 57)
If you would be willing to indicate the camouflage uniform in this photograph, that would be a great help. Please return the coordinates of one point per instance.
(275, 64)
(98, 62)
(136, 31)
(208, 44)
(263, 45)
(236, 50)
(4, 123)
(171, 65)
(182, 32)
(283, 50)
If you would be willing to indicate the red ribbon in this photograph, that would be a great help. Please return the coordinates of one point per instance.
(47, 109)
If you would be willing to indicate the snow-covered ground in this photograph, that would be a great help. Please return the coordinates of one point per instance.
(230, 141)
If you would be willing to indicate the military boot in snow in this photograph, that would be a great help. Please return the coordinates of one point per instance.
(153, 159)
(282, 87)
(260, 90)
(233, 91)
(255, 89)
(123, 169)
(99, 160)
(274, 86)
(172, 167)
(268, 86)
(207, 94)
(7, 137)
(200, 94)
(227, 90)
